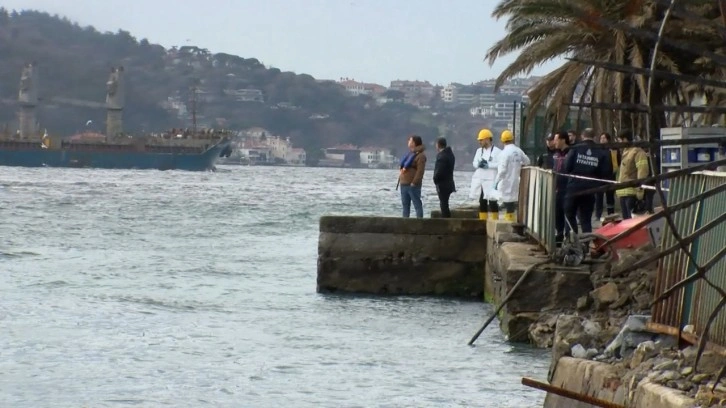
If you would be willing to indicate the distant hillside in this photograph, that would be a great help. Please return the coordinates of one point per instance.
(233, 92)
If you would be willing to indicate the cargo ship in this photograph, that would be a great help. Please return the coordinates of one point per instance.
(152, 152)
(178, 149)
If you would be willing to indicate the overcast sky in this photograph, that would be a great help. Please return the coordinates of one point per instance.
(378, 41)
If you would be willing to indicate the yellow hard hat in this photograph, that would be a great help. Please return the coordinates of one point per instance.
(507, 136)
(485, 134)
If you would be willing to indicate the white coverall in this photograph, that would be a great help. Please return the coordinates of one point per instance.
(506, 182)
(483, 179)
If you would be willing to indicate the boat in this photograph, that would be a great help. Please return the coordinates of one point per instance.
(151, 152)
(178, 149)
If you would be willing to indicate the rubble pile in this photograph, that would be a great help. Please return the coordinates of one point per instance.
(609, 326)
(617, 294)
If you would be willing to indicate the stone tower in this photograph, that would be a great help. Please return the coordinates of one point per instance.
(115, 101)
(28, 99)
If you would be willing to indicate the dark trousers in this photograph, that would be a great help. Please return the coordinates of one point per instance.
(609, 197)
(561, 227)
(648, 196)
(487, 205)
(627, 205)
(444, 203)
(580, 207)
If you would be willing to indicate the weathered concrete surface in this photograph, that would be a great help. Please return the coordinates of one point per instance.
(546, 288)
(398, 256)
(459, 212)
(604, 381)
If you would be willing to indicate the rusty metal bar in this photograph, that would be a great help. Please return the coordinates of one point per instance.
(569, 394)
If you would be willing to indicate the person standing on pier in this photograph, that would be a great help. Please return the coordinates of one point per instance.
(633, 166)
(586, 159)
(444, 175)
(607, 196)
(561, 144)
(506, 183)
(410, 176)
(485, 165)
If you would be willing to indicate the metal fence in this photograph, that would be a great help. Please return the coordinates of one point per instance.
(695, 303)
(537, 205)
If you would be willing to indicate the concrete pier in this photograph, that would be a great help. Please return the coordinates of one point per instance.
(606, 382)
(398, 256)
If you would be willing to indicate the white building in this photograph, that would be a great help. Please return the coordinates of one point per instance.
(375, 157)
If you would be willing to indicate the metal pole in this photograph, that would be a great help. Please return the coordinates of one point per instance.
(569, 394)
(514, 120)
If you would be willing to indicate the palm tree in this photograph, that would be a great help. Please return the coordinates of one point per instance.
(603, 30)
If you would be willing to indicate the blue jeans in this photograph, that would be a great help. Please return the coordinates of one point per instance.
(411, 193)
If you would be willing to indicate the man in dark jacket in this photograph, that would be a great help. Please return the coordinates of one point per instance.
(586, 159)
(444, 175)
(560, 145)
(545, 159)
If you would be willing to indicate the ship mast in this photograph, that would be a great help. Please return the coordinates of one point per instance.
(194, 108)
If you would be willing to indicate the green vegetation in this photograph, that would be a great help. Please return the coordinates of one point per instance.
(74, 62)
(602, 30)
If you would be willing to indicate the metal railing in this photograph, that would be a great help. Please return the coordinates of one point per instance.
(537, 205)
(695, 302)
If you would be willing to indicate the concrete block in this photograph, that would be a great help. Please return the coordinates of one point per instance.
(397, 256)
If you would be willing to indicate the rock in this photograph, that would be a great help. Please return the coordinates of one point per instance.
(664, 366)
(689, 353)
(541, 334)
(625, 259)
(591, 328)
(700, 378)
(683, 385)
(622, 301)
(666, 342)
(583, 302)
(578, 351)
(644, 351)
(591, 353)
(569, 331)
(666, 376)
(686, 371)
(605, 295)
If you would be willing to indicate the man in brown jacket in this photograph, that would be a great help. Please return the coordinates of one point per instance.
(412, 168)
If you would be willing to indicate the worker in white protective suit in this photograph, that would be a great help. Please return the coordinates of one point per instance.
(506, 183)
(485, 165)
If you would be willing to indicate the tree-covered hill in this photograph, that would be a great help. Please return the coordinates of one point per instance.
(74, 62)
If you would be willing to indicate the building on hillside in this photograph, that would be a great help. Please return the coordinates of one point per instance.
(377, 157)
(297, 157)
(258, 146)
(340, 156)
(245, 95)
(417, 93)
(361, 88)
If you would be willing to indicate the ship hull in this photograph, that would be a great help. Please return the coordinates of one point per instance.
(113, 160)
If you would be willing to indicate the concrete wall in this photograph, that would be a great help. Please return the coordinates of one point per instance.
(547, 288)
(606, 382)
(397, 256)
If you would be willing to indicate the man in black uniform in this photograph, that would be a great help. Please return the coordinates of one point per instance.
(560, 144)
(444, 175)
(545, 160)
(586, 159)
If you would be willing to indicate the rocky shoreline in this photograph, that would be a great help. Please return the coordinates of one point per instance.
(609, 326)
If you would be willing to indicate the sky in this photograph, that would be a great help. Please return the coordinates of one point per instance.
(377, 41)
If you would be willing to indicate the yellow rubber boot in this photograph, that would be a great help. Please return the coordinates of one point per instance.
(494, 216)
(483, 216)
(510, 217)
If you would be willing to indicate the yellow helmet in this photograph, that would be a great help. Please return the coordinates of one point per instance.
(507, 136)
(485, 134)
